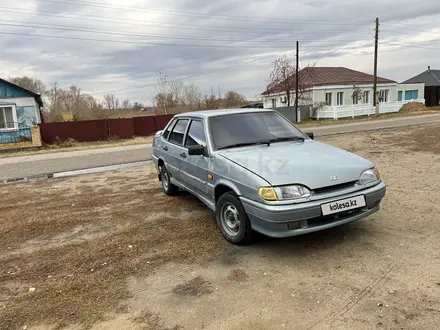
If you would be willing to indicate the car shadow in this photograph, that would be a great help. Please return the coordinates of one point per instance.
(348, 235)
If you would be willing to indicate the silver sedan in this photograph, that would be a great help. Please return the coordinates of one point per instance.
(259, 172)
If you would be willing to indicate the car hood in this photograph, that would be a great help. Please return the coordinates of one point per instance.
(309, 163)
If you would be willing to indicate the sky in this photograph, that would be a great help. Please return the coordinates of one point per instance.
(114, 46)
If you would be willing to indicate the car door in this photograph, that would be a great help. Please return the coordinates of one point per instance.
(174, 149)
(162, 146)
(194, 168)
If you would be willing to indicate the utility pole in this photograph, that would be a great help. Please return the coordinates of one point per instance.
(297, 81)
(376, 44)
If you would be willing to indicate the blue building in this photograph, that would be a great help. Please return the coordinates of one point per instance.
(19, 111)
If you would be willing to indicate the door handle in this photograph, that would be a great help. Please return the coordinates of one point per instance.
(183, 155)
(165, 148)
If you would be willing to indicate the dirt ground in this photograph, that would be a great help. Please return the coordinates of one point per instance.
(111, 251)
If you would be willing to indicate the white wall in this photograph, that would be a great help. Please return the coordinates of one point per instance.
(306, 99)
(320, 91)
(21, 101)
(317, 94)
(420, 87)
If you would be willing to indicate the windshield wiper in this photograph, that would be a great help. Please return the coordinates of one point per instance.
(245, 144)
(290, 138)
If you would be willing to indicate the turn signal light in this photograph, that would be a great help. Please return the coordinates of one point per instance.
(267, 193)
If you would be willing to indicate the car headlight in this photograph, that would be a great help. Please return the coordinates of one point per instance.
(284, 192)
(369, 176)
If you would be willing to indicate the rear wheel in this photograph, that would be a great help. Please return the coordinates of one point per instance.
(167, 186)
(233, 220)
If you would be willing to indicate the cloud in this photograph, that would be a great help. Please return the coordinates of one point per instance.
(228, 43)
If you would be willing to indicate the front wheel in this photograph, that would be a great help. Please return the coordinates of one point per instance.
(233, 220)
(167, 186)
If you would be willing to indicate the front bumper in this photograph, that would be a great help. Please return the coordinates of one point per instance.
(277, 220)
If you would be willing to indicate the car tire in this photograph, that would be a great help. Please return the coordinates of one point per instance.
(167, 186)
(232, 220)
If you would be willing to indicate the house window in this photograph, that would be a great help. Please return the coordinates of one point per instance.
(411, 95)
(274, 103)
(399, 96)
(383, 95)
(366, 97)
(7, 118)
(340, 98)
(328, 98)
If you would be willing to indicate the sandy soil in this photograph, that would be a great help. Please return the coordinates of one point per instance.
(110, 251)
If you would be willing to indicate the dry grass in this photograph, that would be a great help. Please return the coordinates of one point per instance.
(151, 321)
(424, 138)
(238, 275)
(195, 287)
(414, 107)
(77, 241)
(72, 145)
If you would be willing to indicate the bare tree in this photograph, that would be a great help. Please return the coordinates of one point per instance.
(138, 106)
(162, 90)
(211, 101)
(111, 102)
(71, 100)
(191, 96)
(282, 79)
(176, 93)
(233, 98)
(357, 94)
(52, 106)
(126, 104)
(33, 84)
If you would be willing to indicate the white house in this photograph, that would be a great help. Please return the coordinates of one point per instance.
(327, 87)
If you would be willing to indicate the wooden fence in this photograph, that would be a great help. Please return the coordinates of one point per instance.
(355, 110)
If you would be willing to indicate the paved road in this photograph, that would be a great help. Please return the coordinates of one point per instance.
(25, 166)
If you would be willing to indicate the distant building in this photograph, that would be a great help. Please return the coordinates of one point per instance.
(258, 105)
(19, 108)
(431, 79)
(333, 86)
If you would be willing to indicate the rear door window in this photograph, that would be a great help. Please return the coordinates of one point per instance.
(168, 130)
(178, 132)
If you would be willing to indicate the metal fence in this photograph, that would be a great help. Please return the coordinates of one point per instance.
(102, 129)
(14, 132)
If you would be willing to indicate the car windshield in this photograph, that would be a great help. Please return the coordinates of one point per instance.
(251, 128)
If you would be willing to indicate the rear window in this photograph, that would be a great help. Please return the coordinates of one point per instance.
(178, 131)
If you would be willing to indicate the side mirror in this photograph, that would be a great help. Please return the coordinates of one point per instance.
(196, 150)
(311, 135)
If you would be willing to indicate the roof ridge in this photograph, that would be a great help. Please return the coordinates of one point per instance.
(432, 73)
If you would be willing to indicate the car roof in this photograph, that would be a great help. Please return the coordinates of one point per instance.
(220, 112)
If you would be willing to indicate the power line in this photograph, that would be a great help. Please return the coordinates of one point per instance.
(107, 32)
(132, 42)
(188, 14)
(145, 43)
(137, 23)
